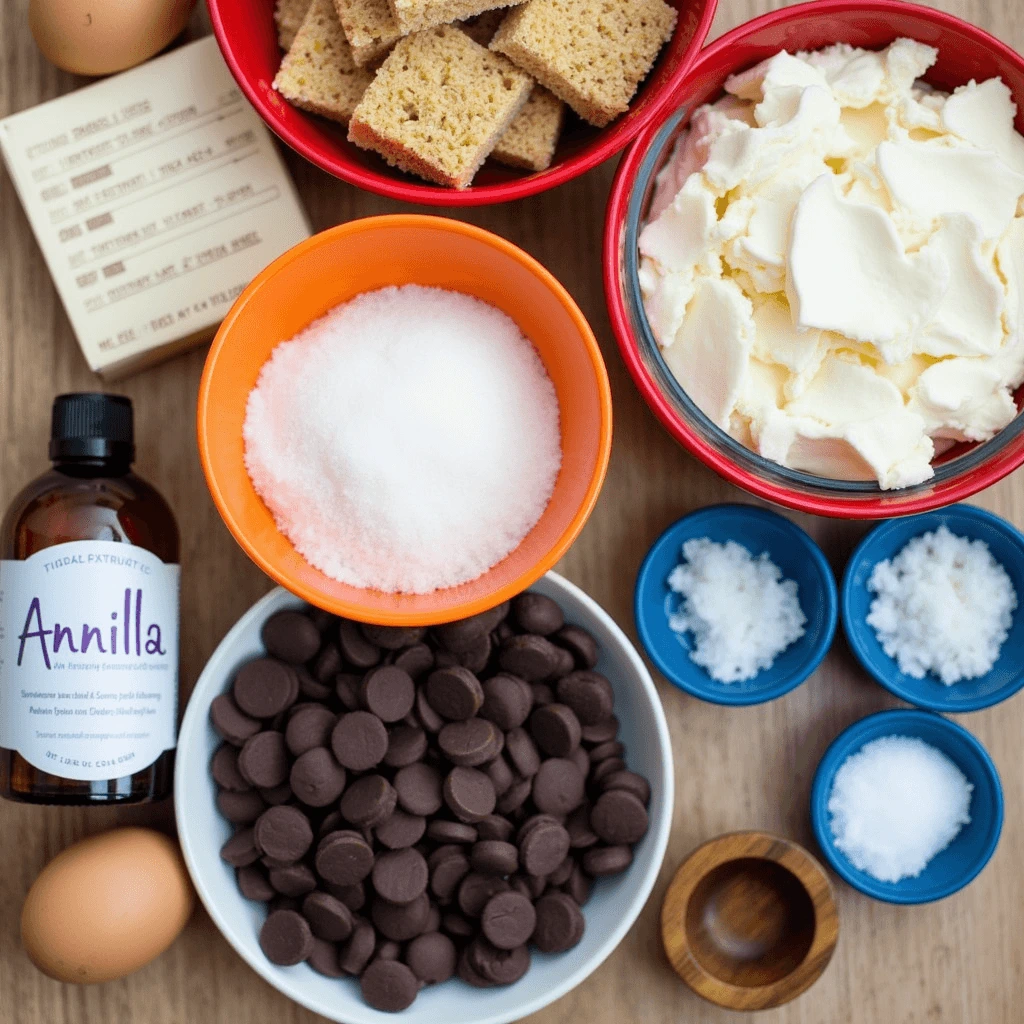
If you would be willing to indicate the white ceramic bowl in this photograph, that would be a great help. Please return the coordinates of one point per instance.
(610, 912)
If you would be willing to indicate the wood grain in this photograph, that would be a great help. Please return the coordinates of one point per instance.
(957, 962)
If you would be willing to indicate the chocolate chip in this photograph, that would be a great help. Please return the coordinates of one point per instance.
(530, 657)
(285, 938)
(566, 663)
(562, 873)
(253, 883)
(431, 721)
(543, 695)
(283, 833)
(387, 950)
(324, 959)
(392, 638)
(500, 775)
(461, 635)
(344, 858)
(522, 752)
(328, 663)
(353, 896)
(406, 745)
(389, 693)
(508, 920)
(401, 830)
(507, 701)
(558, 787)
(495, 827)
(355, 954)
(265, 687)
(240, 808)
(607, 767)
(348, 688)
(273, 796)
(291, 636)
(631, 782)
(476, 657)
(389, 985)
(447, 874)
(498, 966)
(224, 769)
(355, 648)
(514, 798)
(264, 759)
(432, 958)
(359, 741)
(580, 759)
(599, 861)
(469, 794)
(457, 926)
(468, 974)
(400, 876)
(368, 801)
(419, 789)
(454, 693)
(477, 890)
(619, 818)
(441, 831)
(589, 694)
(328, 917)
(578, 885)
(535, 613)
(230, 722)
(310, 726)
(417, 660)
(581, 835)
(556, 730)
(559, 923)
(471, 743)
(543, 848)
(316, 778)
(600, 733)
(401, 922)
(579, 643)
(494, 857)
(292, 880)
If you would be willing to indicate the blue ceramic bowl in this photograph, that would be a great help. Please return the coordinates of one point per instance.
(758, 530)
(961, 861)
(1007, 546)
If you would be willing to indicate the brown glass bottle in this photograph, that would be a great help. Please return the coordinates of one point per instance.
(90, 494)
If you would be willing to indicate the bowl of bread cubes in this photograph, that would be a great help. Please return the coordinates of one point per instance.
(459, 102)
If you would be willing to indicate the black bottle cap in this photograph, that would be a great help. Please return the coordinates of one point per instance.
(91, 425)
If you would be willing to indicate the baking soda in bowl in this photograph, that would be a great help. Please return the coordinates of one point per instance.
(406, 441)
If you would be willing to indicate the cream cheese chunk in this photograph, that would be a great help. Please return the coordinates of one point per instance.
(833, 264)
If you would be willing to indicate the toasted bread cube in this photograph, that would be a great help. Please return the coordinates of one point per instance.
(318, 73)
(438, 105)
(370, 28)
(415, 15)
(289, 15)
(591, 53)
(531, 138)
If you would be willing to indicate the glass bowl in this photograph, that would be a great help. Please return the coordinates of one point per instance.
(965, 52)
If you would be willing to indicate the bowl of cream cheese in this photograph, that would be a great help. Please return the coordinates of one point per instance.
(814, 258)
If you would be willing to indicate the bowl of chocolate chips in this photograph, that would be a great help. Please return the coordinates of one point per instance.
(457, 823)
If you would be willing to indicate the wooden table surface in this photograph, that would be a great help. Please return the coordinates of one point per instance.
(958, 962)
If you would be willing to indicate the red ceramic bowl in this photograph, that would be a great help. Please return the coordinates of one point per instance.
(965, 52)
(248, 39)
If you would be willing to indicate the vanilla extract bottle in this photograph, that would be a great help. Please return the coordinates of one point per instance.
(89, 610)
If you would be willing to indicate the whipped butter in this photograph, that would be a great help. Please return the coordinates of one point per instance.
(834, 262)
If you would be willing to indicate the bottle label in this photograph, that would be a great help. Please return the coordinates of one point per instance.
(89, 659)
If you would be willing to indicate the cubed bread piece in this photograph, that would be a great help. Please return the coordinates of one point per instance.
(438, 105)
(531, 138)
(370, 28)
(414, 15)
(289, 15)
(318, 72)
(591, 53)
(481, 27)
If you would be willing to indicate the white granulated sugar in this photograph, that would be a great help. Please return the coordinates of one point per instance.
(406, 441)
(895, 804)
(741, 616)
(944, 605)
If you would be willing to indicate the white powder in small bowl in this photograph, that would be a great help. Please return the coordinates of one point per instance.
(895, 804)
(741, 612)
(406, 441)
(944, 606)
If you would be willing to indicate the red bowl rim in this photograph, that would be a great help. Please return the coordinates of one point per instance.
(838, 507)
(481, 195)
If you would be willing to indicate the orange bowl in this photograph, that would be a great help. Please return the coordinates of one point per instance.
(361, 256)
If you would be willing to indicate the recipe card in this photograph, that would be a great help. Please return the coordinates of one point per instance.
(156, 196)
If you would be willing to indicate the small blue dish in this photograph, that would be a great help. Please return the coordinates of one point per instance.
(758, 530)
(961, 862)
(1007, 546)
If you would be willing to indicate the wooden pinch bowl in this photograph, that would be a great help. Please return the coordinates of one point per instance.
(749, 921)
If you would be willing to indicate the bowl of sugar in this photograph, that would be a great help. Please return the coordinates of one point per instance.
(736, 605)
(930, 608)
(907, 806)
(405, 420)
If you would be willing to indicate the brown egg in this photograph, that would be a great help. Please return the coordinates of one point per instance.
(106, 906)
(98, 37)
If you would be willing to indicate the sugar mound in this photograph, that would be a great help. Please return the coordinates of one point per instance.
(740, 615)
(406, 441)
(895, 804)
(944, 606)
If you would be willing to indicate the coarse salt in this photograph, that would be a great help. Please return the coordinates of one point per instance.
(406, 441)
(895, 804)
(742, 614)
(944, 605)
